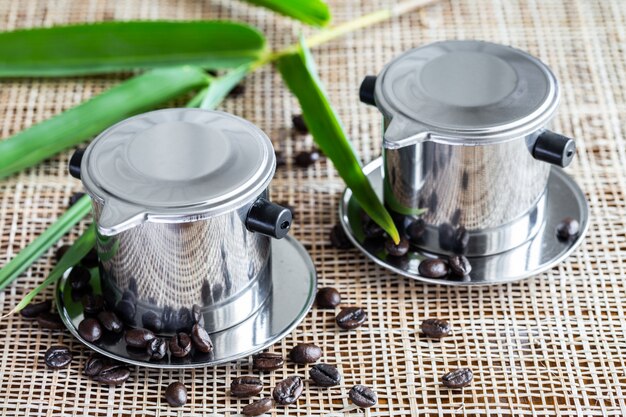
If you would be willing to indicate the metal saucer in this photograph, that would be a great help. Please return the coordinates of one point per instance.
(542, 252)
(293, 291)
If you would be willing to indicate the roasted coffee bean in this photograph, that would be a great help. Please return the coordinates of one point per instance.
(60, 252)
(50, 321)
(327, 297)
(90, 329)
(168, 318)
(436, 328)
(129, 296)
(288, 390)
(176, 394)
(79, 278)
(415, 230)
(157, 348)
(201, 339)
(196, 315)
(132, 286)
(58, 357)
(307, 158)
(299, 124)
(446, 236)
(351, 318)
(184, 320)
(152, 321)
(138, 338)
(461, 240)
(110, 321)
(305, 353)
(180, 345)
(90, 260)
(94, 364)
(32, 310)
(325, 375)
(338, 238)
(257, 407)
(74, 198)
(125, 310)
(372, 230)
(458, 378)
(281, 161)
(112, 373)
(400, 249)
(267, 361)
(567, 229)
(459, 265)
(237, 91)
(363, 396)
(246, 386)
(433, 268)
(92, 303)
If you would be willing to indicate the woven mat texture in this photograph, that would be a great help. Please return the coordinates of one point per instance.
(554, 345)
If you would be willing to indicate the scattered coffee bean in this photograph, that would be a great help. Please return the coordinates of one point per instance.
(180, 345)
(363, 396)
(338, 238)
(397, 250)
(90, 330)
(267, 361)
(197, 316)
(184, 320)
(416, 230)
(50, 321)
(299, 124)
(461, 240)
(288, 390)
(436, 328)
(58, 357)
(74, 198)
(325, 375)
(458, 378)
(351, 318)
(176, 394)
(567, 229)
(201, 339)
(110, 321)
(327, 297)
(94, 364)
(459, 265)
(60, 252)
(92, 303)
(138, 338)
(112, 373)
(307, 158)
(157, 348)
(79, 278)
(246, 386)
(305, 353)
(125, 310)
(281, 161)
(129, 296)
(433, 268)
(90, 260)
(152, 321)
(446, 236)
(257, 407)
(168, 317)
(32, 310)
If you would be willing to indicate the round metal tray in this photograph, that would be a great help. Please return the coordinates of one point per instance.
(294, 284)
(542, 252)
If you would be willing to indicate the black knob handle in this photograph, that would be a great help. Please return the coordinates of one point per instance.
(366, 92)
(269, 218)
(554, 148)
(75, 161)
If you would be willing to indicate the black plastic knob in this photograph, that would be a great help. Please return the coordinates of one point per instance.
(366, 92)
(269, 219)
(75, 162)
(554, 148)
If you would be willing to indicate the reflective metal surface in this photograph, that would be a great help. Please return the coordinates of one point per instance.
(292, 291)
(563, 198)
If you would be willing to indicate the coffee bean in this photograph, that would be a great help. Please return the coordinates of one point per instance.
(92, 303)
(90, 330)
(90, 260)
(197, 316)
(446, 236)
(180, 345)
(58, 357)
(112, 373)
(459, 266)
(79, 278)
(94, 364)
(176, 394)
(201, 339)
(433, 268)
(32, 310)
(436, 328)
(168, 318)
(397, 250)
(299, 124)
(50, 321)
(338, 238)
(152, 321)
(305, 353)
(363, 396)
(458, 378)
(157, 348)
(267, 361)
(125, 310)
(461, 240)
(351, 318)
(325, 375)
(257, 407)
(567, 229)
(327, 297)
(307, 158)
(58, 254)
(138, 338)
(372, 230)
(184, 320)
(110, 321)
(415, 230)
(288, 390)
(129, 296)
(281, 161)
(246, 386)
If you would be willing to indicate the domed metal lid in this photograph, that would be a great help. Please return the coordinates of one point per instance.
(467, 92)
(175, 165)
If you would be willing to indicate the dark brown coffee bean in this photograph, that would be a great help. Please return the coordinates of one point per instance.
(180, 345)
(461, 240)
(197, 316)
(339, 239)
(305, 353)
(459, 266)
(246, 386)
(90, 260)
(201, 339)
(58, 254)
(458, 378)
(299, 124)
(94, 364)
(125, 310)
(281, 161)
(267, 361)
(184, 320)
(433, 268)
(32, 310)
(92, 303)
(157, 348)
(415, 230)
(351, 318)
(176, 394)
(79, 278)
(168, 318)
(58, 357)
(325, 375)
(307, 158)
(397, 250)
(138, 338)
(152, 321)
(257, 407)
(446, 236)
(363, 396)
(110, 321)
(436, 328)
(74, 198)
(327, 297)
(50, 321)
(288, 390)
(90, 330)
(567, 229)
(237, 91)
(112, 373)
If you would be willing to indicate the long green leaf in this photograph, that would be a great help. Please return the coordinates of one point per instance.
(298, 72)
(116, 46)
(311, 12)
(220, 86)
(77, 124)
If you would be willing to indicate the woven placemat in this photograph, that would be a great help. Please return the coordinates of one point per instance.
(553, 345)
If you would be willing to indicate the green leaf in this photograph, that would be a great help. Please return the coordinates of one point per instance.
(120, 46)
(79, 123)
(311, 12)
(219, 87)
(298, 72)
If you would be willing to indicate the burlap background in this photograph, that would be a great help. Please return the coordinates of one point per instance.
(553, 345)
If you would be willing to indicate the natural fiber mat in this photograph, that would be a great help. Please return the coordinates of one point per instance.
(552, 345)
